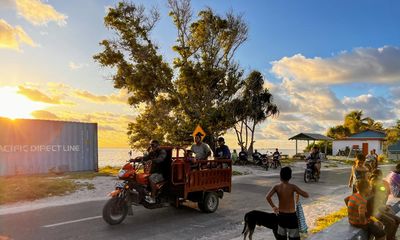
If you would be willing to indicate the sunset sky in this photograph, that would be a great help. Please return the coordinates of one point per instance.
(321, 59)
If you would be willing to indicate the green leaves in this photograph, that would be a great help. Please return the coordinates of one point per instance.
(203, 85)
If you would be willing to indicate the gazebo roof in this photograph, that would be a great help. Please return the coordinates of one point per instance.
(311, 136)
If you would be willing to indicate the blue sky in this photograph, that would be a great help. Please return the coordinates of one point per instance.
(320, 59)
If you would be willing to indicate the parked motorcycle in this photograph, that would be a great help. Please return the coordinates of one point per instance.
(243, 158)
(310, 173)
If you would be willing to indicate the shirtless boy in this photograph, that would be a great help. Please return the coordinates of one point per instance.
(287, 218)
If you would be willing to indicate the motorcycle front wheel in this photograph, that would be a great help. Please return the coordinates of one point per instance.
(307, 176)
(115, 211)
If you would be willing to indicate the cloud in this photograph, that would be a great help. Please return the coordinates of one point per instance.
(119, 98)
(36, 95)
(75, 66)
(374, 107)
(106, 128)
(12, 37)
(39, 13)
(7, 3)
(381, 65)
(395, 92)
(42, 114)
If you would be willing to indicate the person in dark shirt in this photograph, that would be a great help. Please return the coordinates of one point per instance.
(276, 155)
(222, 151)
(156, 156)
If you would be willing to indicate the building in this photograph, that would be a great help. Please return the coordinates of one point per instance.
(363, 141)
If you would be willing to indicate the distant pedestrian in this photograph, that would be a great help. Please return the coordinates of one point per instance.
(234, 156)
(371, 161)
(288, 227)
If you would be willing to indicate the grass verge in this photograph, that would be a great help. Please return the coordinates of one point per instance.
(28, 188)
(328, 220)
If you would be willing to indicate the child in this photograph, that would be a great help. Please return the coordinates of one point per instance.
(357, 211)
(287, 218)
(358, 172)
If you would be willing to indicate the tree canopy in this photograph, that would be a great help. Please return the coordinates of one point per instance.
(354, 122)
(198, 87)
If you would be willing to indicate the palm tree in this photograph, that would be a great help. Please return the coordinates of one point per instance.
(356, 123)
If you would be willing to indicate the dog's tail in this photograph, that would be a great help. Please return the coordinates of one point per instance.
(245, 224)
(245, 227)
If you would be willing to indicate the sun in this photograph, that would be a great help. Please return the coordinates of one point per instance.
(14, 105)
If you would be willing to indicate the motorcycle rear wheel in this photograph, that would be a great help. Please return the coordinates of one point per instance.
(115, 211)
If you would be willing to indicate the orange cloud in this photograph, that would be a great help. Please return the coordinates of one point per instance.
(12, 37)
(120, 98)
(36, 95)
(39, 13)
(42, 114)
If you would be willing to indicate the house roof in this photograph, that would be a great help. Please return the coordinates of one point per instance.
(394, 148)
(370, 134)
(310, 136)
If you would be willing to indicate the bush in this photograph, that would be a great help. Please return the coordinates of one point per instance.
(382, 158)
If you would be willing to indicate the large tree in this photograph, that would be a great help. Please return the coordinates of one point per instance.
(196, 89)
(254, 106)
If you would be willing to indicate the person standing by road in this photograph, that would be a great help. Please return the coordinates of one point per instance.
(288, 226)
(358, 172)
(371, 161)
(234, 156)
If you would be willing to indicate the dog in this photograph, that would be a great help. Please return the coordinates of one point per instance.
(253, 218)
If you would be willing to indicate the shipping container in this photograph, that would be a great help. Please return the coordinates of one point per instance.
(31, 146)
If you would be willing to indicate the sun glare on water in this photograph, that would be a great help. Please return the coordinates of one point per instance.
(14, 105)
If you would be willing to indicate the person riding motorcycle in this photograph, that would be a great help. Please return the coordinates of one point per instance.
(314, 160)
(156, 155)
(276, 155)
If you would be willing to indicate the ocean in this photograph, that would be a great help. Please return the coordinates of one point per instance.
(117, 157)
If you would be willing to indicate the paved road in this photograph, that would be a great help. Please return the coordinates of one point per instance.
(83, 221)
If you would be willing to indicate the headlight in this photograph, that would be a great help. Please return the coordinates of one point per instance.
(121, 173)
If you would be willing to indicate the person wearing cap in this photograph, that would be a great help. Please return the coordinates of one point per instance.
(222, 151)
(201, 150)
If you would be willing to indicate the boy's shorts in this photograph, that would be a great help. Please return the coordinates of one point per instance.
(288, 226)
